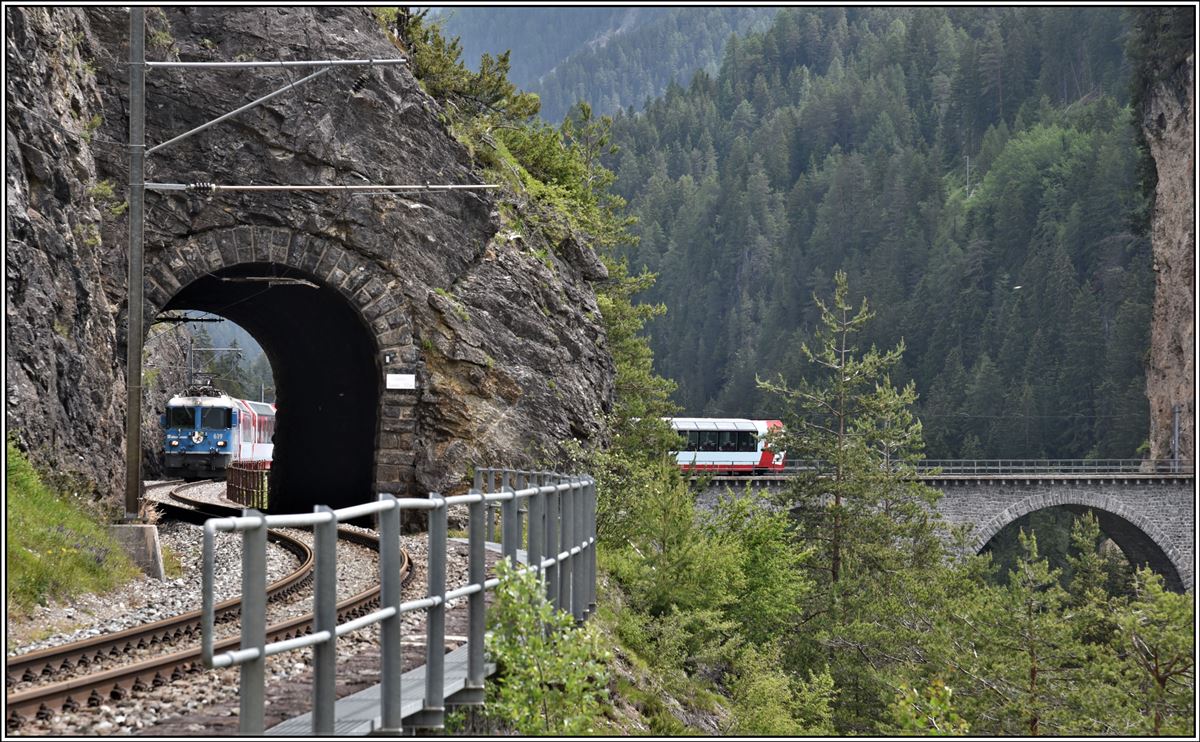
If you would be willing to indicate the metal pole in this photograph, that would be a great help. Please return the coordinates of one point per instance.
(390, 629)
(522, 511)
(579, 561)
(236, 111)
(567, 540)
(591, 533)
(254, 624)
(280, 63)
(491, 516)
(191, 371)
(535, 529)
(1175, 439)
(508, 526)
(137, 179)
(325, 619)
(553, 540)
(476, 574)
(435, 618)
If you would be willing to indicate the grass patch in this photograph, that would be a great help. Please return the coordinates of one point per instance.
(55, 548)
(172, 567)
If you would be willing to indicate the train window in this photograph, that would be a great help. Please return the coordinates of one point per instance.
(746, 442)
(709, 440)
(214, 417)
(181, 417)
(693, 440)
(728, 441)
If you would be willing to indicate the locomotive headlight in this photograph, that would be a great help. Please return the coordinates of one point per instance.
(220, 444)
(174, 443)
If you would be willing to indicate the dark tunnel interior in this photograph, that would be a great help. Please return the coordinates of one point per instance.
(327, 372)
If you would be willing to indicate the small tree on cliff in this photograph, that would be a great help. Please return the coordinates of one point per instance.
(861, 502)
(861, 508)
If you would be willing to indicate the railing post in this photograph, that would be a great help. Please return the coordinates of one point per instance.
(390, 629)
(254, 624)
(432, 715)
(491, 518)
(535, 528)
(325, 619)
(552, 541)
(591, 532)
(508, 525)
(476, 574)
(567, 566)
(578, 563)
(522, 480)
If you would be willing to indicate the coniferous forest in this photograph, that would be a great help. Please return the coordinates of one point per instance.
(975, 173)
(905, 232)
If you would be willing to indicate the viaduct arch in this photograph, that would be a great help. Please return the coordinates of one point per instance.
(1152, 518)
(332, 329)
(1152, 521)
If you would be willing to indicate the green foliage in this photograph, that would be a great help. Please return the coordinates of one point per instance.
(928, 714)
(435, 62)
(56, 548)
(767, 702)
(1160, 657)
(862, 498)
(946, 157)
(772, 584)
(552, 679)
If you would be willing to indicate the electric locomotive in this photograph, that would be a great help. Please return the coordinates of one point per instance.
(725, 445)
(207, 429)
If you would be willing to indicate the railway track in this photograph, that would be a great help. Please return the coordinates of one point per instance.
(96, 688)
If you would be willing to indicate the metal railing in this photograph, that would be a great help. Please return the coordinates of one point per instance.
(246, 483)
(1016, 467)
(560, 533)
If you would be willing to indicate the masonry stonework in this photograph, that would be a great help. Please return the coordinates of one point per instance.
(1164, 511)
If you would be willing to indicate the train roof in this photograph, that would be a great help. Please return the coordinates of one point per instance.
(718, 423)
(222, 401)
(261, 408)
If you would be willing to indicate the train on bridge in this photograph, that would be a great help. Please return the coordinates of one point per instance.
(206, 430)
(726, 446)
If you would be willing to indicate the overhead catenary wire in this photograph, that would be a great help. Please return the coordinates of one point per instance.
(215, 187)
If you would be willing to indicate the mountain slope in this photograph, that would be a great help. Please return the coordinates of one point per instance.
(610, 57)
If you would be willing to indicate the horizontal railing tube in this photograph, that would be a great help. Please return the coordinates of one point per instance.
(559, 537)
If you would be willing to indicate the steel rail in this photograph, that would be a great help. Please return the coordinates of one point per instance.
(92, 689)
(30, 666)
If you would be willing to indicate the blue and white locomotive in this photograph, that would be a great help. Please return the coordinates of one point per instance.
(207, 429)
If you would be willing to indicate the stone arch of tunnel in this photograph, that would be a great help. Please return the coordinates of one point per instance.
(331, 331)
(1142, 542)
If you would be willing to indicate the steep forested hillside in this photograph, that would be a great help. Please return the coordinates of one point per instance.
(972, 170)
(611, 57)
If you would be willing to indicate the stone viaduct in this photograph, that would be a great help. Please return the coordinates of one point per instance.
(1151, 517)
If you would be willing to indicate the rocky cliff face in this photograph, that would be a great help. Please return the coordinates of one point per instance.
(1169, 124)
(502, 331)
(64, 388)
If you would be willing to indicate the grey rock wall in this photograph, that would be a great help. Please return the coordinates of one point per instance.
(505, 340)
(1170, 128)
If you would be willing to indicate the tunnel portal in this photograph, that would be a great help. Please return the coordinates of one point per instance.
(325, 361)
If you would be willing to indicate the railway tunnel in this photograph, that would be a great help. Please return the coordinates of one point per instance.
(326, 367)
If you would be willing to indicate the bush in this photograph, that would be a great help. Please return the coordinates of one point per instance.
(551, 673)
